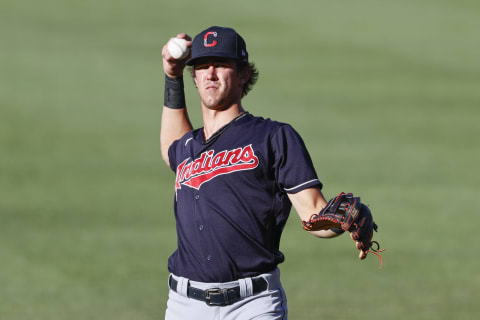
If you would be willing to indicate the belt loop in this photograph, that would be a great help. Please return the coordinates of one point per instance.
(243, 287)
(246, 287)
(182, 286)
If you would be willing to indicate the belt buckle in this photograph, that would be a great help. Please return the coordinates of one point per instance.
(214, 291)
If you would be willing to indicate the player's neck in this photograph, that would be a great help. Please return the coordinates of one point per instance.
(213, 120)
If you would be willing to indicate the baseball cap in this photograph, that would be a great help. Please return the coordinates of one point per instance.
(218, 42)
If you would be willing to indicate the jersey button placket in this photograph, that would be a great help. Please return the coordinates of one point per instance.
(201, 227)
(196, 196)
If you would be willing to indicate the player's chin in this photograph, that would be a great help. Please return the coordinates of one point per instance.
(216, 104)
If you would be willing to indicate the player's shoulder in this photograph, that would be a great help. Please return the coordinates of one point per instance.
(183, 141)
(268, 124)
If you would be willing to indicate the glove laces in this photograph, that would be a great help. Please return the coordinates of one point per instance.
(376, 251)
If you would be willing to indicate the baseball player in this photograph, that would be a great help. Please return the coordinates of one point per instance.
(236, 180)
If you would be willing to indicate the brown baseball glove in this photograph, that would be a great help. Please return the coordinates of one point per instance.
(347, 212)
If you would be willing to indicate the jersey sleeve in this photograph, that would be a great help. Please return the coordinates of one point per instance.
(293, 166)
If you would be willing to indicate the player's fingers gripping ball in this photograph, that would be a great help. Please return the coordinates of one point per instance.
(347, 212)
(178, 48)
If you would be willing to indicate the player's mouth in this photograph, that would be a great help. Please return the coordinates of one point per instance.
(211, 87)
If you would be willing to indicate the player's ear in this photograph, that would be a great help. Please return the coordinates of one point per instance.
(194, 79)
(192, 73)
(245, 75)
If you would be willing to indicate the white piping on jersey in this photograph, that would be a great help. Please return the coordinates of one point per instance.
(188, 140)
(299, 185)
(241, 116)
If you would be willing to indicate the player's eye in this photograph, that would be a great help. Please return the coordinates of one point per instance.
(202, 66)
(221, 65)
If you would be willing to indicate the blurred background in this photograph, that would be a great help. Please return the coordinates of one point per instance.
(385, 94)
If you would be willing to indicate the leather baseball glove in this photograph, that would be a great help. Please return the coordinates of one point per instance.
(347, 212)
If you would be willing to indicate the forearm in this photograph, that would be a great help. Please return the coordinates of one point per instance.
(311, 201)
(175, 122)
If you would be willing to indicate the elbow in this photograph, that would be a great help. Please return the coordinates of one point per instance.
(164, 146)
(164, 152)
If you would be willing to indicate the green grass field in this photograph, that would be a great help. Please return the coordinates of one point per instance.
(385, 93)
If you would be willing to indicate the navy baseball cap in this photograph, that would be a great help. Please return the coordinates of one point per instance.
(218, 42)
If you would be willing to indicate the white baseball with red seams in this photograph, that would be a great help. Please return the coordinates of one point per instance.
(178, 48)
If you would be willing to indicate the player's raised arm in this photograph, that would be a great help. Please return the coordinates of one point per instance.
(175, 121)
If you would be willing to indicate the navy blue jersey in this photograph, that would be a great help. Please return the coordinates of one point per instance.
(231, 201)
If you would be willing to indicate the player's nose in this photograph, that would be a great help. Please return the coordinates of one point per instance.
(211, 72)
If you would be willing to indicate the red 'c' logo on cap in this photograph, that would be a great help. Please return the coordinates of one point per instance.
(205, 39)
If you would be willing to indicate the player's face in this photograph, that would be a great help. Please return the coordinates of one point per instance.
(218, 82)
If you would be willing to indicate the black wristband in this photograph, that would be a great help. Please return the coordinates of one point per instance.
(174, 96)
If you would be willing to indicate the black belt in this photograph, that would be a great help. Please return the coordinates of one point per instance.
(217, 296)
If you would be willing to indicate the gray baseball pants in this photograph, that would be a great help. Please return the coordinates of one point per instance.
(270, 304)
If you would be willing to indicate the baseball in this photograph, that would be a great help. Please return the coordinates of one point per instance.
(178, 48)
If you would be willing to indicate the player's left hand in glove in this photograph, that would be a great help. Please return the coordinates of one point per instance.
(348, 213)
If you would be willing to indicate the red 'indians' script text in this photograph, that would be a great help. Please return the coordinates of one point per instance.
(210, 165)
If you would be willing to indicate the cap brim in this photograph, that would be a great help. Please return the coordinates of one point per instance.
(210, 54)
